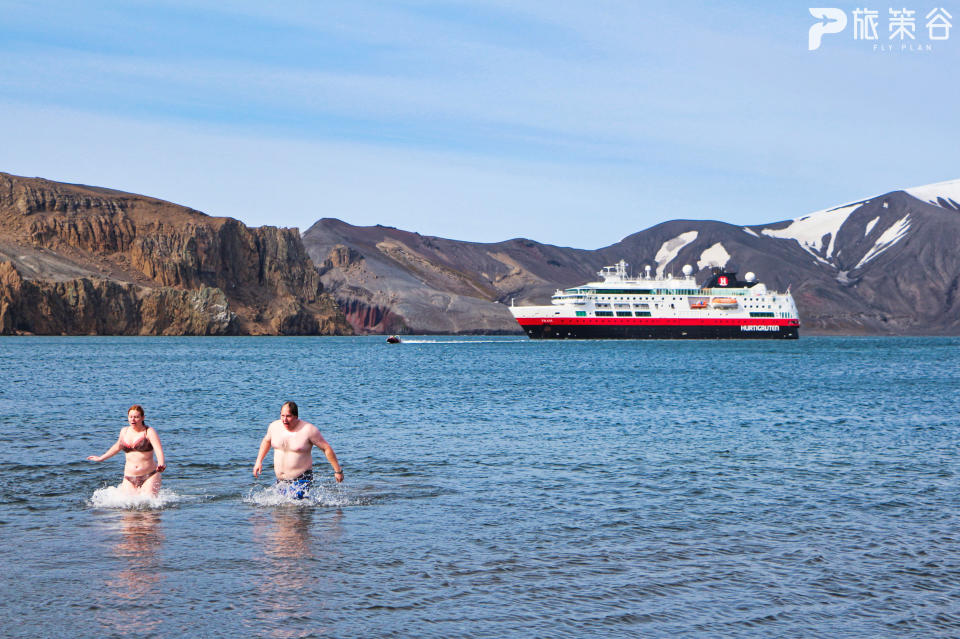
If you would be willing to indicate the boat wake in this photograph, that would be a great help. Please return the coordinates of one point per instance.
(114, 497)
(461, 341)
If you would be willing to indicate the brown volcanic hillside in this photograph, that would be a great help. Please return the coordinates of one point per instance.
(83, 260)
(392, 281)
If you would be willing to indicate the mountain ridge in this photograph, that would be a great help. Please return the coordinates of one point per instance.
(79, 259)
(879, 265)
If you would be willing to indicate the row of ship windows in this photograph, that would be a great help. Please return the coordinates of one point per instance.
(625, 306)
(655, 299)
(677, 295)
(618, 314)
(647, 291)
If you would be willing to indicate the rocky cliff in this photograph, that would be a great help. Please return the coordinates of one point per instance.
(84, 260)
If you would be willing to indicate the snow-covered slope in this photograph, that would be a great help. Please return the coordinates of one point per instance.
(670, 248)
(943, 194)
(817, 232)
(810, 230)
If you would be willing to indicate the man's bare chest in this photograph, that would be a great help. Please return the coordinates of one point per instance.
(292, 442)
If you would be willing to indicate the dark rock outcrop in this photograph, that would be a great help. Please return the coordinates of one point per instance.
(84, 260)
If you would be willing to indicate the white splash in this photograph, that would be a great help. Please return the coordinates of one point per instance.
(716, 255)
(316, 495)
(891, 236)
(670, 249)
(114, 497)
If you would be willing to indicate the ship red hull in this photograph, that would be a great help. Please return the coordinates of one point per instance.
(650, 328)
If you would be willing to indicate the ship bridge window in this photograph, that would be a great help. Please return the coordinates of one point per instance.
(604, 313)
(624, 291)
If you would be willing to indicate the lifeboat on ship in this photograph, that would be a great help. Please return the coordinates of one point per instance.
(698, 304)
(724, 302)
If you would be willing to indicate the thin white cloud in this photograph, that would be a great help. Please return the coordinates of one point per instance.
(640, 113)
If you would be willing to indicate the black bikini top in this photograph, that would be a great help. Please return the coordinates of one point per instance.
(142, 445)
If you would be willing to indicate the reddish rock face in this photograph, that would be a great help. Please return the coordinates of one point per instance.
(83, 260)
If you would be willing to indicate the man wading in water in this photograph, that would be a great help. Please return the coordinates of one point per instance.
(293, 440)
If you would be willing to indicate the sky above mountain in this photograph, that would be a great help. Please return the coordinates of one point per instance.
(570, 123)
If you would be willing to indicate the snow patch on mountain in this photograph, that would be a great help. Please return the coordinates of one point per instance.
(670, 249)
(891, 236)
(870, 226)
(942, 194)
(750, 231)
(716, 255)
(810, 230)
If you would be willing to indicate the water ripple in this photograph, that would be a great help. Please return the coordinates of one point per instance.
(495, 487)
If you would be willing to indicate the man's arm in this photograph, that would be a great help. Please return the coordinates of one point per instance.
(318, 441)
(265, 444)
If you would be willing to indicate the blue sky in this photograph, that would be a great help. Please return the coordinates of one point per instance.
(571, 123)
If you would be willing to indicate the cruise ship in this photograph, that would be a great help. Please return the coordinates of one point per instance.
(663, 307)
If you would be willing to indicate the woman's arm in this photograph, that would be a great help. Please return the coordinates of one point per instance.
(113, 450)
(158, 448)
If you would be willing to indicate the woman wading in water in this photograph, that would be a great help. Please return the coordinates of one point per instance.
(141, 474)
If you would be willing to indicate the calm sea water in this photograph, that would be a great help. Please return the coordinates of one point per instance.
(495, 488)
